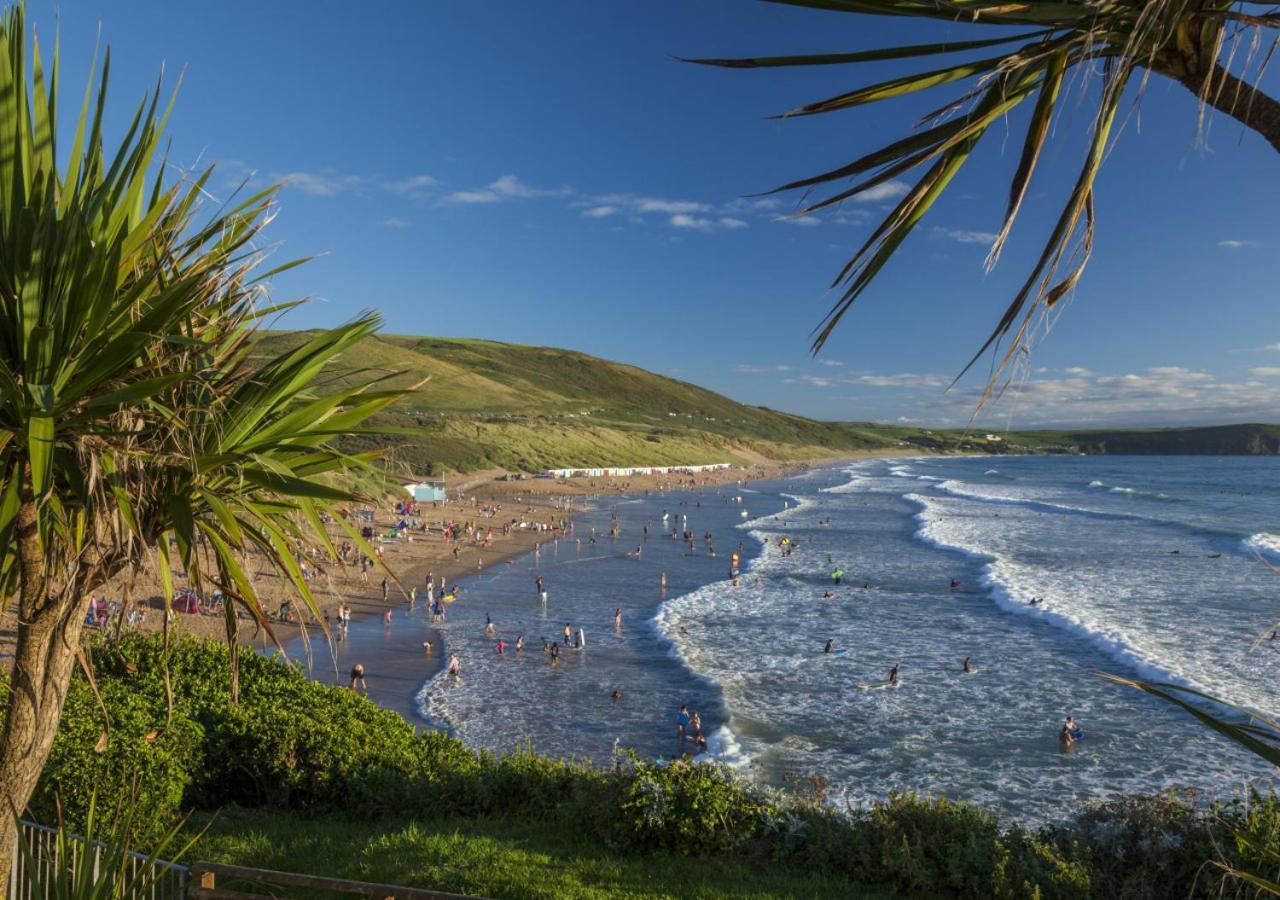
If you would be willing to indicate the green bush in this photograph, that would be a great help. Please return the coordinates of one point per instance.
(1253, 841)
(1142, 846)
(290, 743)
(146, 764)
(688, 808)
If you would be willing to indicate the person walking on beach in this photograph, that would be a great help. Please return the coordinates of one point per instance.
(357, 678)
(538, 585)
(384, 590)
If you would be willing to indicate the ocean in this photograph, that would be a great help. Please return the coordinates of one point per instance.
(1146, 566)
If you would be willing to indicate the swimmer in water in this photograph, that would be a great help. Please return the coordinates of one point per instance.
(426, 648)
(617, 618)
(1067, 737)
(968, 666)
(616, 696)
(455, 667)
(520, 643)
(893, 674)
(829, 648)
(955, 584)
(829, 595)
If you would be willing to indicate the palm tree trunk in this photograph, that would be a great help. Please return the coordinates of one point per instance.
(1238, 99)
(48, 634)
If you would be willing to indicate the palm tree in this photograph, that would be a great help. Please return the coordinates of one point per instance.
(1120, 42)
(140, 425)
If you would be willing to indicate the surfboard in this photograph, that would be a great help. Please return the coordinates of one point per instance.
(878, 686)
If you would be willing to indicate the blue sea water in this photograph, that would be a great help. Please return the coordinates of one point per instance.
(1146, 566)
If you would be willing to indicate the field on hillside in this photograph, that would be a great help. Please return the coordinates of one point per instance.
(483, 404)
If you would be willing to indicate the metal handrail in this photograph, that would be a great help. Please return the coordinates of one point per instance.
(170, 883)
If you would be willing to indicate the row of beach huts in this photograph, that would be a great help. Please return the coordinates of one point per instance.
(625, 471)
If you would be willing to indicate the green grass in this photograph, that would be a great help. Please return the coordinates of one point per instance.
(489, 857)
(484, 404)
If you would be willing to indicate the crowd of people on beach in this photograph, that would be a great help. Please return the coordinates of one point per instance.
(690, 736)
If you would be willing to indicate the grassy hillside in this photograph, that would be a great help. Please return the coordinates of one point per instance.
(1217, 440)
(486, 404)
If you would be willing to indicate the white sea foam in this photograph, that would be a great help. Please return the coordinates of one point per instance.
(1012, 590)
(1264, 543)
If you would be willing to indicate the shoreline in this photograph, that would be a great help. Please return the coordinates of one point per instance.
(504, 495)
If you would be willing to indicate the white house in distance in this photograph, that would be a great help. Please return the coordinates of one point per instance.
(625, 471)
(425, 490)
(994, 437)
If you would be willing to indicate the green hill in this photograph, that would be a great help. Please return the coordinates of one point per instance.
(486, 404)
(1214, 440)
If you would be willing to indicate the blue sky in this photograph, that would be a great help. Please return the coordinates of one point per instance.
(548, 173)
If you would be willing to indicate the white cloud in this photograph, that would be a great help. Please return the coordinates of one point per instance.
(412, 185)
(680, 220)
(965, 237)
(1159, 395)
(1075, 370)
(1237, 245)
(688, 215)
(903, 380)
(325, 183)
(888, 190)
(671, 207)
(833, 363)
(508, 187)
(806, 221)
(811, 380)
(753, 369)
(472, 197)
(753, 205)
(394, 222)
(1275, 346)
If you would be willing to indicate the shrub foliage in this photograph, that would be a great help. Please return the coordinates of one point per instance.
(290, 743)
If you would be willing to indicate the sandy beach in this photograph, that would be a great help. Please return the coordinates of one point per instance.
(487, 501)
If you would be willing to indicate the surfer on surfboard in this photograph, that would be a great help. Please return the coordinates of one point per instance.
(893, 673)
